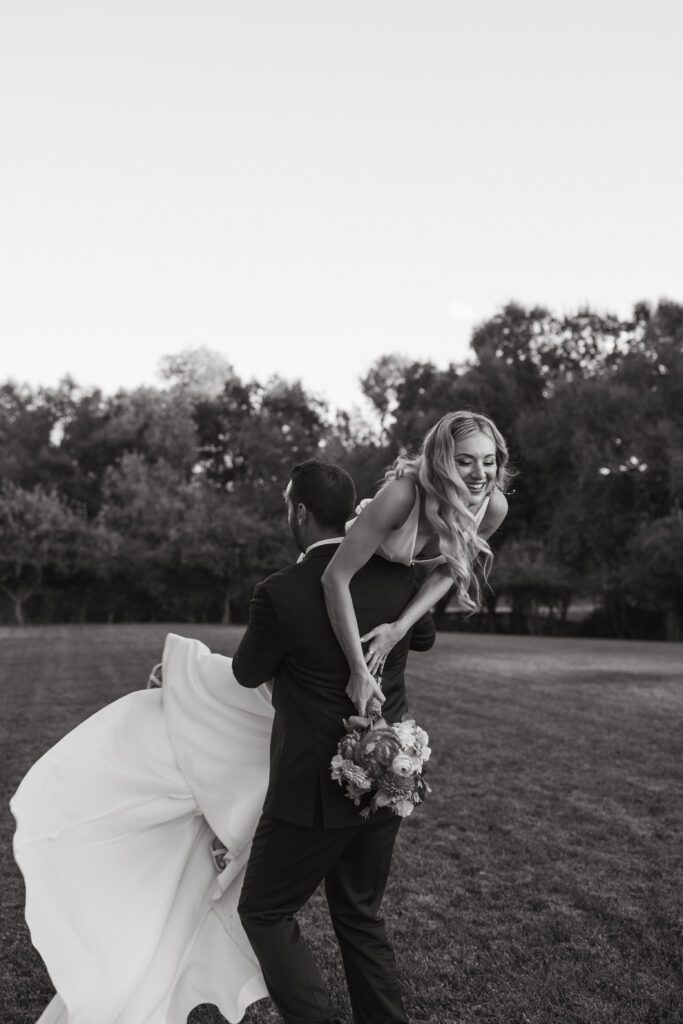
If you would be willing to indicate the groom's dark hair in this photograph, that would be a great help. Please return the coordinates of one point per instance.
(326, 490)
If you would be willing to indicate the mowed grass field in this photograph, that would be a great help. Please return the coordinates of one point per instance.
(543, 880)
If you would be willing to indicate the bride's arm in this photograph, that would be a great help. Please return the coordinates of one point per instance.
(388, 510)
(435, 586)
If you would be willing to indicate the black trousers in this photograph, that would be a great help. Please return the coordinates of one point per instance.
(287, 864)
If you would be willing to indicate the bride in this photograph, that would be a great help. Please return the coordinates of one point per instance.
(115, 824)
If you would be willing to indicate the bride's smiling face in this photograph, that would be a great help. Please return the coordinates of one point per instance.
(475, 458)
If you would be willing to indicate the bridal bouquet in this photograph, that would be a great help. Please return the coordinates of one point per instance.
(383, 760)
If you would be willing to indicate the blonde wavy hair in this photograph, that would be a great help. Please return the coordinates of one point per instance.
(467, 555)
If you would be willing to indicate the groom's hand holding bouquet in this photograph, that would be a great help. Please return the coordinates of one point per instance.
(382, 761)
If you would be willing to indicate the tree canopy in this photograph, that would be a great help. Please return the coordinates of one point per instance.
(166, 502)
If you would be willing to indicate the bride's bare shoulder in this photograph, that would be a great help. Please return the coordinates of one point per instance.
(496, 512)
(396, 499)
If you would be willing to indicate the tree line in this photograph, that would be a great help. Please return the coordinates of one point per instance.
(165, 503)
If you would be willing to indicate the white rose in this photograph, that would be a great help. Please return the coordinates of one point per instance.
(336, 765)
(403, 765)
(405, 732)
(421, 736)
(403, 808)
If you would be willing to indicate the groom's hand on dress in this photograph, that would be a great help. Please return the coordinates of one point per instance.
(362, 688)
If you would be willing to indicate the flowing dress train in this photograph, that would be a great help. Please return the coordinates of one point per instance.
(114, 824)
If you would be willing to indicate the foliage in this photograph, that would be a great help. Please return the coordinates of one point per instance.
(40, 535)
(654, 570)
(527, 574)
(251, 435)
(188, 478)
(381, 384)
(197, 371)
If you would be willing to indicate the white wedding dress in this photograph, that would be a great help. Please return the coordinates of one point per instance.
(114, 824)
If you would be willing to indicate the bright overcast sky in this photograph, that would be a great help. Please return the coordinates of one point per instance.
(305, 186)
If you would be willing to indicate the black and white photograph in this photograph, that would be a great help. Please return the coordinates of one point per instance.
(341, 512)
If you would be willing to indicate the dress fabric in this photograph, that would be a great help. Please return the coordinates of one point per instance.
(399, 546)
(114, 825)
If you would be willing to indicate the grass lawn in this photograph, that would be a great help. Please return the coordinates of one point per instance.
(543, 880)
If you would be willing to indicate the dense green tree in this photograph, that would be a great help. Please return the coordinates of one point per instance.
(190, 551)
(380, 384)
(517, 338)
(187, 479)
(199, 372)
(39, 536)
(251, 435)
(145, 504)
(532, 579)
(27, 423)
(223, 550)
(97, 432)
(653, 574)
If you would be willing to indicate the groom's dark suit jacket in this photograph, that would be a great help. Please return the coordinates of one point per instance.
(289, 639)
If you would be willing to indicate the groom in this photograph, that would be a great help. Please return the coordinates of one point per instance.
(309, 831)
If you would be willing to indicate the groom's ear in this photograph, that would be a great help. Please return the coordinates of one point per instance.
(301, 513)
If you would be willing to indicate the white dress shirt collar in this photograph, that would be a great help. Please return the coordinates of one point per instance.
(328, 540)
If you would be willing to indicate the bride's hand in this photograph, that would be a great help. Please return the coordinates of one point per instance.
(382, 639)
(362, 688)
